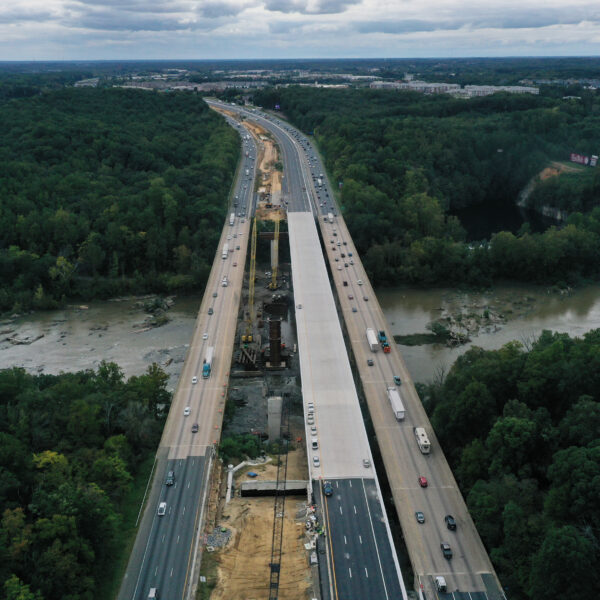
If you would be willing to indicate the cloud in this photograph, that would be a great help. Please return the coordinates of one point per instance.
(310, 7)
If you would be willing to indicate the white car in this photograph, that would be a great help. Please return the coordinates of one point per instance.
(359, 282)
(194, 379)
(162, 509)
(187, 411)
(205, 336)
(316, 461)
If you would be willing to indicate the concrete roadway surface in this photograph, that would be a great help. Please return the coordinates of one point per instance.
(166, 546)
(470, 569)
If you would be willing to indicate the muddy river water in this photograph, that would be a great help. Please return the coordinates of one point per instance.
(78, 338)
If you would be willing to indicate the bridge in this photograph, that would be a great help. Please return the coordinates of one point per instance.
(334, 305)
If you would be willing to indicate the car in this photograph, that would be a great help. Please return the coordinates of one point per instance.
(366, 298)
(420, 517)
(450, 522)
(366, 463)
(327, 488)
(336, 259)
(349, 253)
(351, 261)
(237, 247)
(354, 309)
(350, 297)
(370, 362)
(343, 255)
(170, 479)
(331, 242)
(215, 294)
(423, 481)
(360, 282)
(397, 380)
(205, 335)
(162, 509)
(446, 550)
(345, 283)
(316, 461)
(228, 237)
(313, 430)
(345, 264)
(195, 428)
(235, 264)
(194, 379)
(345, 244)
(339, 267)
(186, 411)
(210, 310)
(338, 244)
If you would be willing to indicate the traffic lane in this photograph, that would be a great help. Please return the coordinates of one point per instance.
(362, 554)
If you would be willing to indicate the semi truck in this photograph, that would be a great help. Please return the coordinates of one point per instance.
(207, 365)
(372, 340)
(225, 252)
(422, 440)
(330, 217)
(396, 403)
(231, 218)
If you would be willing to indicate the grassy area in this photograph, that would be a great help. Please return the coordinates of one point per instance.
(208, 569)
(108, 587)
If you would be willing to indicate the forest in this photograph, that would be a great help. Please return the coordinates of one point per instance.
(405, 162)
(108, 191)
(70, 447)
(520, 427)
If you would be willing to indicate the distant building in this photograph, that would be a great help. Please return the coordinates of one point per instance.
(93, 82)
(469, 91)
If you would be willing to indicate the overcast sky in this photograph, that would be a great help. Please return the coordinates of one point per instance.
(205, 29)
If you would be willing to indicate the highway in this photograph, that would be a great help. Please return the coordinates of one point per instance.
(469, 573)
(165, 553)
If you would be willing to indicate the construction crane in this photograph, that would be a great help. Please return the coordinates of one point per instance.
(275, 256)
(252, 278)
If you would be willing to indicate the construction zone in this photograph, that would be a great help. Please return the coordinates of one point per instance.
(260, 533)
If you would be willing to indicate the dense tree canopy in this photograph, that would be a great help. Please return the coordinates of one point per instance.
(406, 161)
(521, 430)
(104, 190)
(69, 446)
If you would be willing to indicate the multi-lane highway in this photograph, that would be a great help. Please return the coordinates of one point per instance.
(469, 571)
(166, 548)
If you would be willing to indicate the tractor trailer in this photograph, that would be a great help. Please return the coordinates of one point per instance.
(372, 339)
(231, 218)
(396, 403)
(208, 359)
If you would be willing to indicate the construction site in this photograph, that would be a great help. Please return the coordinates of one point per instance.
(260, 531)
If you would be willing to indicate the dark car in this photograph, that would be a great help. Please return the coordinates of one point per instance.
(450, 522)
(397, 379)
(370, 362)
(420, 517)
(327, 488)
(446, 550)
(170, 480)
(195, 428)
(210, 310)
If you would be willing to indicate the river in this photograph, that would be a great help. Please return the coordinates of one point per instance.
(528, 310)
(78, 338)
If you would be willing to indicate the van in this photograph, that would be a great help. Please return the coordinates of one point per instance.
(440, 583)
(153, 594)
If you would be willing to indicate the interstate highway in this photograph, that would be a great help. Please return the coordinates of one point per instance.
(166, 546)
(470, 570)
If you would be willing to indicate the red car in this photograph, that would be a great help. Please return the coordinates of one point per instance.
(423, 481)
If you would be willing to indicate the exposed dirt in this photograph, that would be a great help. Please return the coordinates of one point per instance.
(557, 168)
(243, 564)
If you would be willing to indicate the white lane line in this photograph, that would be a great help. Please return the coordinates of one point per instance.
(375, 540)
(355, 510)
(189, 482)
(360, 538)
(156, 571)
(341, 512)
(350, 572)
(183, 513)
(163, 539)
(366, 572)
(171, 574)
(177, 542)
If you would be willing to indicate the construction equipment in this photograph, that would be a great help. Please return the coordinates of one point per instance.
(275, 256)
(251, 281)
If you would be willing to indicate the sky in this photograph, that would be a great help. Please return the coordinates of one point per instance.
(228, 29)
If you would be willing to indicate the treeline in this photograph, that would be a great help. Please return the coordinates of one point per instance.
(70, 446)
(106, 191)
(577, 191)
(406, 161)
(521, 429)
